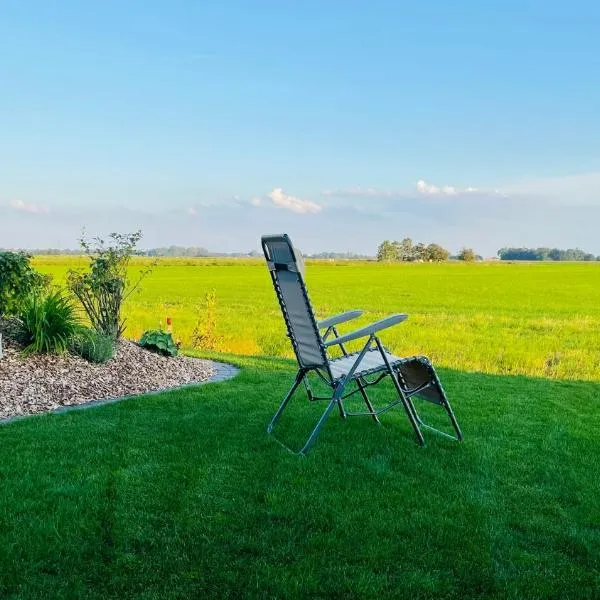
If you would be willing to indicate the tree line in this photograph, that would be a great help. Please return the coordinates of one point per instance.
(546, 254)
(407, 251)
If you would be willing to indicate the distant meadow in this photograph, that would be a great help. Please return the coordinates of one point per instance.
(539, 319)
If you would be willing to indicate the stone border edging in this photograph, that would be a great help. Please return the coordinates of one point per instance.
(224, 372)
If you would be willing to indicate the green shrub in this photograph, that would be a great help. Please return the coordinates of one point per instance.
(94, 347)
(103, 289)
(159, 341)
(17, 281)
(49, 322)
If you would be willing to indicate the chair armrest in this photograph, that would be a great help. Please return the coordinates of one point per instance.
(368, 330)
(341, 318)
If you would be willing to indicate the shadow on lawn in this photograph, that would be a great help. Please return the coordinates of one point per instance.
(184, 495)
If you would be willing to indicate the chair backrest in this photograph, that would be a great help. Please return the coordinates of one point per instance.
(287, 271)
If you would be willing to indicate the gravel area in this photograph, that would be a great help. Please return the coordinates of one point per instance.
(41, 383)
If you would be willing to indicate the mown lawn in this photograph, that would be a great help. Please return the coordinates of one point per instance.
(183, 495)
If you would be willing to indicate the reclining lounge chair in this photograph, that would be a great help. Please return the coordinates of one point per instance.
(351, 373)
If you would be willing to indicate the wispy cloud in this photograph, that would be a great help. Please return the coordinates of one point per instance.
(363, 192)
(582, 189)
(422, 188)
(429, 189)
(279, 198)
(29, 208)
(255, 201)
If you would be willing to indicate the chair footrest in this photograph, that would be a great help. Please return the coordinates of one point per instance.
(418, 378)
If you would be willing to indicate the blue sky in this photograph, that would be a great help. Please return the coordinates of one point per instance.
(343, 123)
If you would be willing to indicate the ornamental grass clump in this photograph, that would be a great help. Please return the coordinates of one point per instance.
(49, 321)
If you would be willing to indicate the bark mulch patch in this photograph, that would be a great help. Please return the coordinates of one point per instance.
(39, 383)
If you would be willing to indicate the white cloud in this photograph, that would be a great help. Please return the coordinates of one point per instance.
(293, 203)
(427, 189)
(192, 211)
(29, 208)
(255, 201)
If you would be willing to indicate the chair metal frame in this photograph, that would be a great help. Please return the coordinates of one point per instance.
(361, 378)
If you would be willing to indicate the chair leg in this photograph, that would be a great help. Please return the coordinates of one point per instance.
(446, 404)
(299, 377)
(312, 438)
(342, 409)
(409, 408)
(363, 392)
(459, 435)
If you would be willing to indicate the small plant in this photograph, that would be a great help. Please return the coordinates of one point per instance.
(49, 322)
(204, 334)
(92, 346)
(159, 341)
(17, 281)
(105, 287)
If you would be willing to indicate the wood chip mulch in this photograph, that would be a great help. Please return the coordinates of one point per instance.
(40, 383)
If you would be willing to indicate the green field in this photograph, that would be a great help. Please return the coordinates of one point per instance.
(539, 319)
(183, 495)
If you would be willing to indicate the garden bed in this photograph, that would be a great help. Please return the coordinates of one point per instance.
(39, 383)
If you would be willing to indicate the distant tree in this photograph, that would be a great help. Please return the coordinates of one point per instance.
(405, 249)
(555, 254)
(436, 253)
(419, 251)
(467, 254)
(543, 253)
(387, 251)
(179, 251)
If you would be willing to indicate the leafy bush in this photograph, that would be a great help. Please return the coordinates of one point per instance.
(17, 280)
(103, 290)
(49, 322)
(159, 341)
(94, 347)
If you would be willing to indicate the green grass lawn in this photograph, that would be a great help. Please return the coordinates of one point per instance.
(183, 495)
